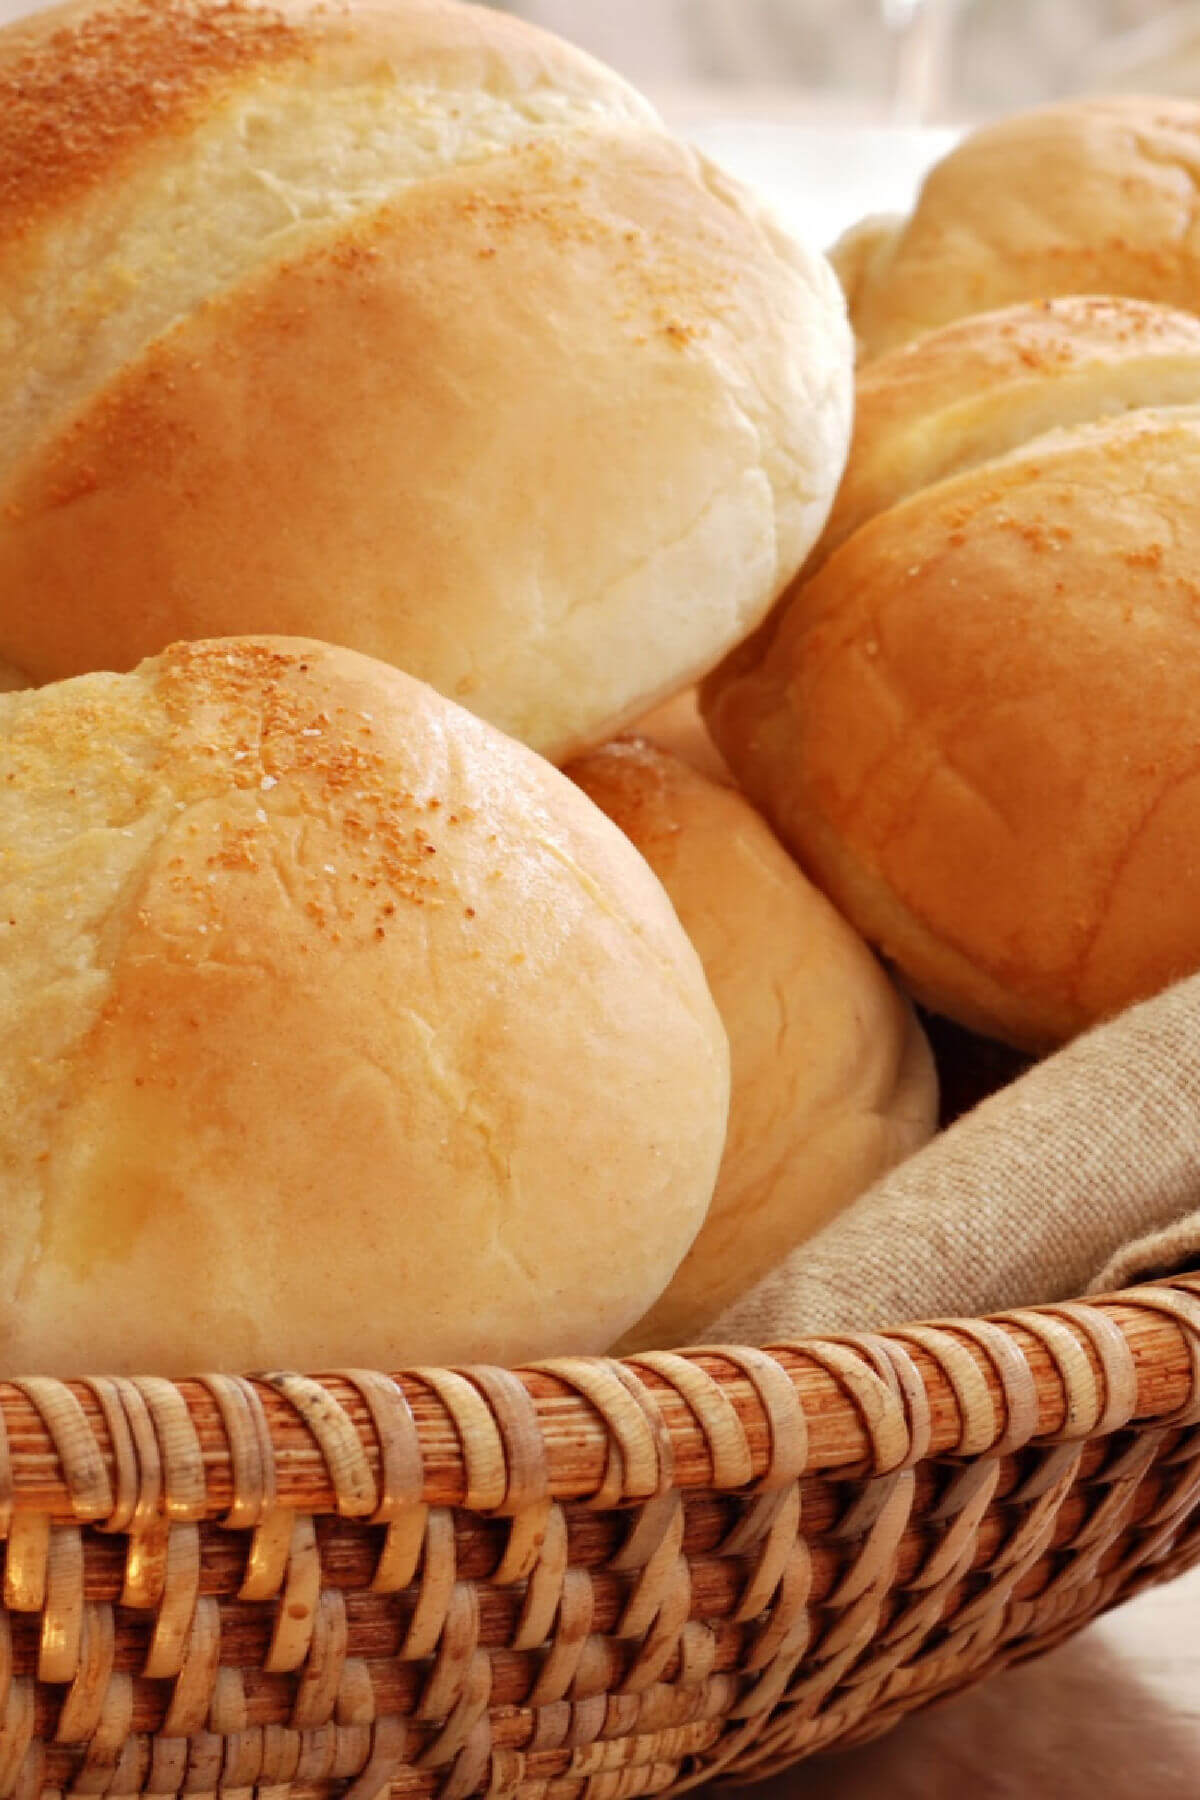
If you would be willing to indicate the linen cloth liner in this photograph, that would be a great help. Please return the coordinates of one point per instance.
(1082, 1176)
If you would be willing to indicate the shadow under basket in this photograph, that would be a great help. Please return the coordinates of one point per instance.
(586, 1580)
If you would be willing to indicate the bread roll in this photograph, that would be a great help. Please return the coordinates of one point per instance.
(976, 723)
(1084, 197)
(334, 1028)
(990, 382)
(833, 1081)
(400, 325)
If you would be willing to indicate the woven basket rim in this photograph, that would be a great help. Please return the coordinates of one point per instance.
(768, 1552)
(368, 1445)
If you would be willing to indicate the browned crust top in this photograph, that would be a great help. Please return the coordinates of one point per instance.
(77, 97)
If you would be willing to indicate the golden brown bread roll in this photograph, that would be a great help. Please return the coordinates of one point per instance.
(401, 325)
(1087, 196)
(334, 1028)
(832, 1079)
(990, 382)
(976, 722)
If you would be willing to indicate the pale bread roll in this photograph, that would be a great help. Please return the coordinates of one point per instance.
(1091, 196)
(405, 326)
(335, 1028)
(832, 1079)
(976, 723)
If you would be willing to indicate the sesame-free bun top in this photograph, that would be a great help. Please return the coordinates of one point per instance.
(1088, 196)
(401, 325)
(975, 721)
(832, 1079)
(334, 1028)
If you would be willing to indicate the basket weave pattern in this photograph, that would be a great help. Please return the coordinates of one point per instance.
(586, 1581)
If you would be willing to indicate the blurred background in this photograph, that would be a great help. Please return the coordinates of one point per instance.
(928, 61)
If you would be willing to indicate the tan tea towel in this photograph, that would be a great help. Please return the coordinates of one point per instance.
(1083, 1175)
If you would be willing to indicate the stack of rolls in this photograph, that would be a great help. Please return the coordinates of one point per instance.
(363, 360)
(973, 716)
(391, 414)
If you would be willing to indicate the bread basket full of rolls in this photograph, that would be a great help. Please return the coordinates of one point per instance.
(598, 813)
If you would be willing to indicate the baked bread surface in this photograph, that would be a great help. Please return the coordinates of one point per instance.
(1087, 196)
(974, 720)
(334, 1027)
(404, 326)
(832, 1079)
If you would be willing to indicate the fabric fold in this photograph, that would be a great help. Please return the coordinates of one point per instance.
(1082, 1176)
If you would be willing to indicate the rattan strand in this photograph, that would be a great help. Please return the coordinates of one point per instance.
(586, 1581)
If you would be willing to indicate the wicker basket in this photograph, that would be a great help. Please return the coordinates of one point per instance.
(590, 1579)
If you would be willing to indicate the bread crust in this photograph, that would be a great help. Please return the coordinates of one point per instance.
(452, 355)
(1093, 196)
(832, 1079)
(336, 1028)
(87, 89)
(961, 396)
(976, 726)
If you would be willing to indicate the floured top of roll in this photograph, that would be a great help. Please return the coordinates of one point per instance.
(403, 326)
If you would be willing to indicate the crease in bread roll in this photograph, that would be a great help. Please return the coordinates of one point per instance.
(832, 1080)
(980, 388)
(334, 1028)
(973, 721)
(1085, 196)
(991, 382)
(282, 145)
(385, 324)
